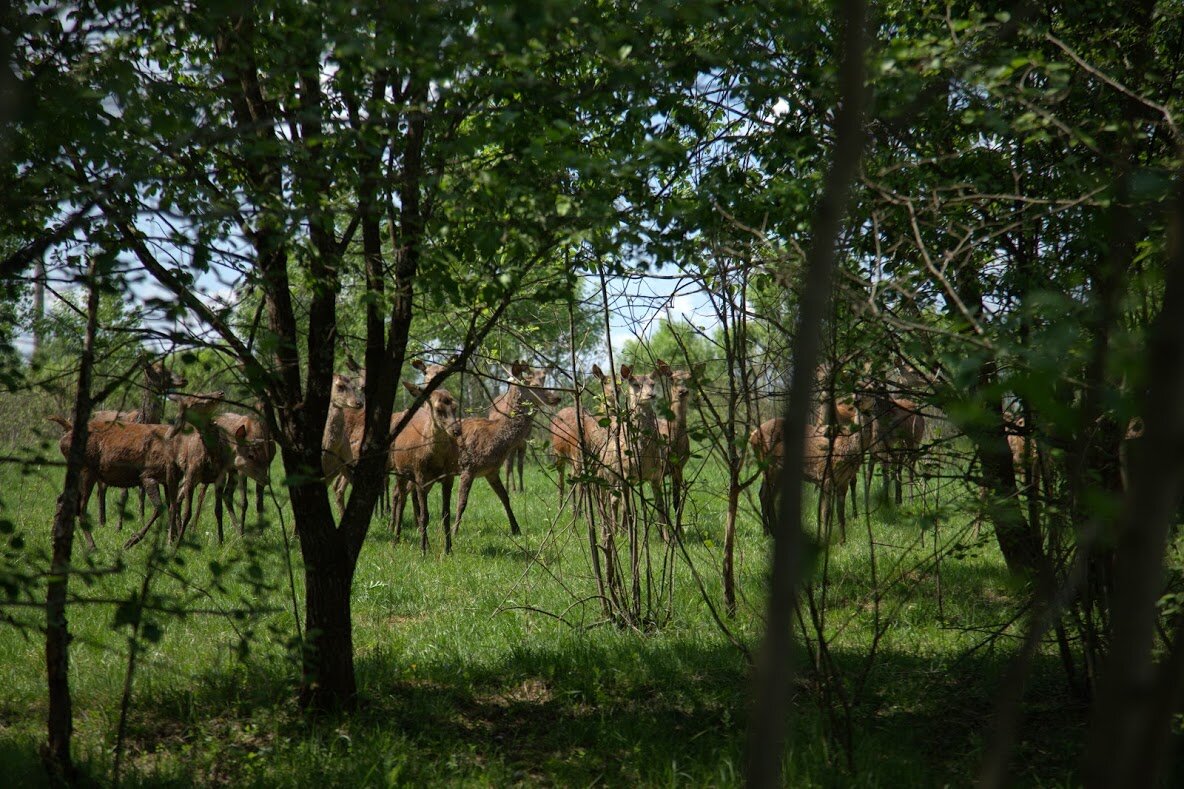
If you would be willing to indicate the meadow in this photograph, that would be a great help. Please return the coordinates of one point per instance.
(491, 667)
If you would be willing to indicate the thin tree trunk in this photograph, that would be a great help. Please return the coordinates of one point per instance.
(57, 634)
(730, 546)
(773, 667)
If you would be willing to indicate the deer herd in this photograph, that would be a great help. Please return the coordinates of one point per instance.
(621, 443)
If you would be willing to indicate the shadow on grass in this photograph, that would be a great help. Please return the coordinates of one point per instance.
(638, 712)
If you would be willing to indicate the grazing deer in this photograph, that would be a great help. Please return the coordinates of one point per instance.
(158, 382)
(423, 453)
(486, 441)
(567, 427)
(256, 431)
(336, 452)
(632, 450)
(673, 431)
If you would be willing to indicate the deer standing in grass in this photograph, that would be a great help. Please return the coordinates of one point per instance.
(204, 454)
(337, 454)
(570, 425)
(831, 460)
(424, 453)
(128, 455)
(673, 431)
(486, 441)
(898, 432)
(632, 450)
(158, 382)
(256, 431)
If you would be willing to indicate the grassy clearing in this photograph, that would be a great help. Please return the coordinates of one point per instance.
(466, 681)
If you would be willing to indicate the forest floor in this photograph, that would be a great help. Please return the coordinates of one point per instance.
(494, 665)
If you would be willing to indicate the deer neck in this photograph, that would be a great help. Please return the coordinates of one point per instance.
(512, 415)
(643, 423)
(678, 408)
(335, 428)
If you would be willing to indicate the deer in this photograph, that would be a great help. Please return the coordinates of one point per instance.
(632, 450)
(128, 455)
(256, 431)
(673, 431)
(423, 453)
(570, 424)
(831, 460)
(517, 458)
(337, 454)
(158, 382)
(486, 441)
(898, 432)
(208, 454)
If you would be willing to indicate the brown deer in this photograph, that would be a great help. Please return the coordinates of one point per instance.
(898, 431)
(517, 459)
(158, 382)
(570, 423)
(632, 450)
(336, 452)
(207, 454)
(831, 460)
(257, 432)
(673, 431)
(486, 441)
(128, 455)
(423, 453)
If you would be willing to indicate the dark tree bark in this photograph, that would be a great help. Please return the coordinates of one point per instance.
(1131, 721)
(56, 753)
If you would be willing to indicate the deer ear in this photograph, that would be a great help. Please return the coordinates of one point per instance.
(419, 364)
(662, 368)
(351, 362)
(519, 369)
(698, 369)
(414, 389)
(597, 371)
(626, 372)
(241, 433)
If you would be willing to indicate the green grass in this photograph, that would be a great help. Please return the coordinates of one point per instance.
(465, 681)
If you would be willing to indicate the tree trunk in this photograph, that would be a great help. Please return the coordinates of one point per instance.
(327, 679)
(56, 753)
(730, 546)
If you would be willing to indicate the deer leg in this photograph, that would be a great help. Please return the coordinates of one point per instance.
(102, 504)
(122, 506)
(398, 503)
(561, 473)
(446, 511)
(898, 476)
(84, 494)
(500, 489)
(521, 469)
(158, 507)
(841, 493)
(421, 514)
(462, 499)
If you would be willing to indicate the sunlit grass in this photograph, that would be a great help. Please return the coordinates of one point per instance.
(486, 667)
